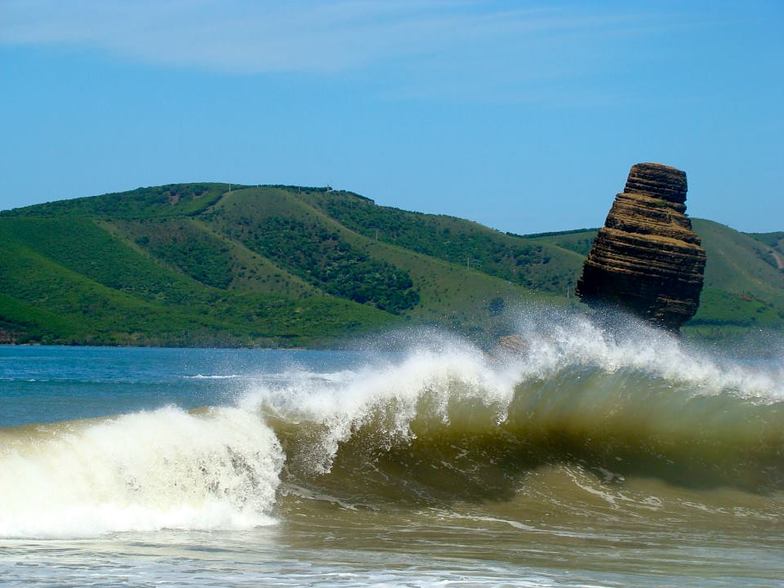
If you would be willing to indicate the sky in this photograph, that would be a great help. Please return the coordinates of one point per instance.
(524, 116)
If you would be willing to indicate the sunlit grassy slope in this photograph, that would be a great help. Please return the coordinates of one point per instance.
(197, 264)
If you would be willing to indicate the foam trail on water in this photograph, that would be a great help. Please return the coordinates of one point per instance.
(139, 472)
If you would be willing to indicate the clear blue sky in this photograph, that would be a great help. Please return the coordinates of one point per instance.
(522, 115)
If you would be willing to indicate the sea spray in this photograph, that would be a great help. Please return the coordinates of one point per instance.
(385, 398)
(631, 402)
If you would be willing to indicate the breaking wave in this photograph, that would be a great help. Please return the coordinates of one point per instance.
(139, 472)
(444, 421)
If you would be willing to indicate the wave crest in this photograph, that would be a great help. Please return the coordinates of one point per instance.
(641, 402)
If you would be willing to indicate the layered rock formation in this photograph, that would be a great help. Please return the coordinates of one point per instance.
(646, 259)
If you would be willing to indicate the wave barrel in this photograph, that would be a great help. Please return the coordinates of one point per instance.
(647, 259)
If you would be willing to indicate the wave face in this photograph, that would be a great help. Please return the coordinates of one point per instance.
(443, 422)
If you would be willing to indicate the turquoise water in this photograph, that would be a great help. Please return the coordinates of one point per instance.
(48, 384)
(590, 459)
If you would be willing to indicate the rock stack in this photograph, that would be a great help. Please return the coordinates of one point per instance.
(646, 259)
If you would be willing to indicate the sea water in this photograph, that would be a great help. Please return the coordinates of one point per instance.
(595, 456)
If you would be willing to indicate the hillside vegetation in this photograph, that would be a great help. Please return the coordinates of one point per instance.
(744, 287)
(197, 264)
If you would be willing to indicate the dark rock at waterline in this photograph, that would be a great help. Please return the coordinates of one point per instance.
(6, 338)
(647, 259)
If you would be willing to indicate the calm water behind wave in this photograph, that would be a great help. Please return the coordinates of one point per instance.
(53, 383)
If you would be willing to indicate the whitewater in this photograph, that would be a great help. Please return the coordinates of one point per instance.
(600, 454)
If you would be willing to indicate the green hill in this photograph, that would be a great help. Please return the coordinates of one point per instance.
(744, 284)
(196, 264)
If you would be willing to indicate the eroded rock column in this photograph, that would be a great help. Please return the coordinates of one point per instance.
(646, 259)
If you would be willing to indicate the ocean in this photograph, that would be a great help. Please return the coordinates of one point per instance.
(595, 456)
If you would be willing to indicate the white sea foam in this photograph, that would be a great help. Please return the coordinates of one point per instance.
(144, 471)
